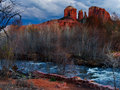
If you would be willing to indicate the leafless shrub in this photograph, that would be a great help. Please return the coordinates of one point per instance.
(7, 13)
(112, 62)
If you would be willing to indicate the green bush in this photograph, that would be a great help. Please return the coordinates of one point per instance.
(53, 79)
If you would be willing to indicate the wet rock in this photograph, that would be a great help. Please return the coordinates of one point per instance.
(76, 78)
(15, 68)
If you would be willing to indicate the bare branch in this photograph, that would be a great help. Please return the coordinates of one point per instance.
(7, 13)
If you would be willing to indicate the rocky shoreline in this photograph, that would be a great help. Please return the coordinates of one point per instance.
(74, 80)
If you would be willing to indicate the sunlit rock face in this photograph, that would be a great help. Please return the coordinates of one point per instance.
(61, 23)
(80, 15)
(70, 12)
(69, 19)
(85, 14)
(99, 13)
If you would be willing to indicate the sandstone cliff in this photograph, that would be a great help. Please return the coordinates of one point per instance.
(70, 12)
(70, 16)
(99, 13)
(80, 15)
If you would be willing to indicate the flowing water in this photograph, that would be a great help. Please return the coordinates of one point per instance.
(100, 75)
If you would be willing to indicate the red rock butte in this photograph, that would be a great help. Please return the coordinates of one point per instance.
(85, 14)
(96, 12)
(70, 17)
(80, 15)
(99, 13)
(70, 12)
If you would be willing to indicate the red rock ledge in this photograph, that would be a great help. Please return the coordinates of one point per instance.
(74, 80)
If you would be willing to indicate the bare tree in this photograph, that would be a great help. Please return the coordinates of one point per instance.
(114, 16)
(7, 13)
(113, 62)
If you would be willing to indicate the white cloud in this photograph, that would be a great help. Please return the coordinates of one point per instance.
(110, 5)
(46, 8)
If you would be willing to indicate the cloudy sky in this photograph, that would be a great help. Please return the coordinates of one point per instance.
(37, 11)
